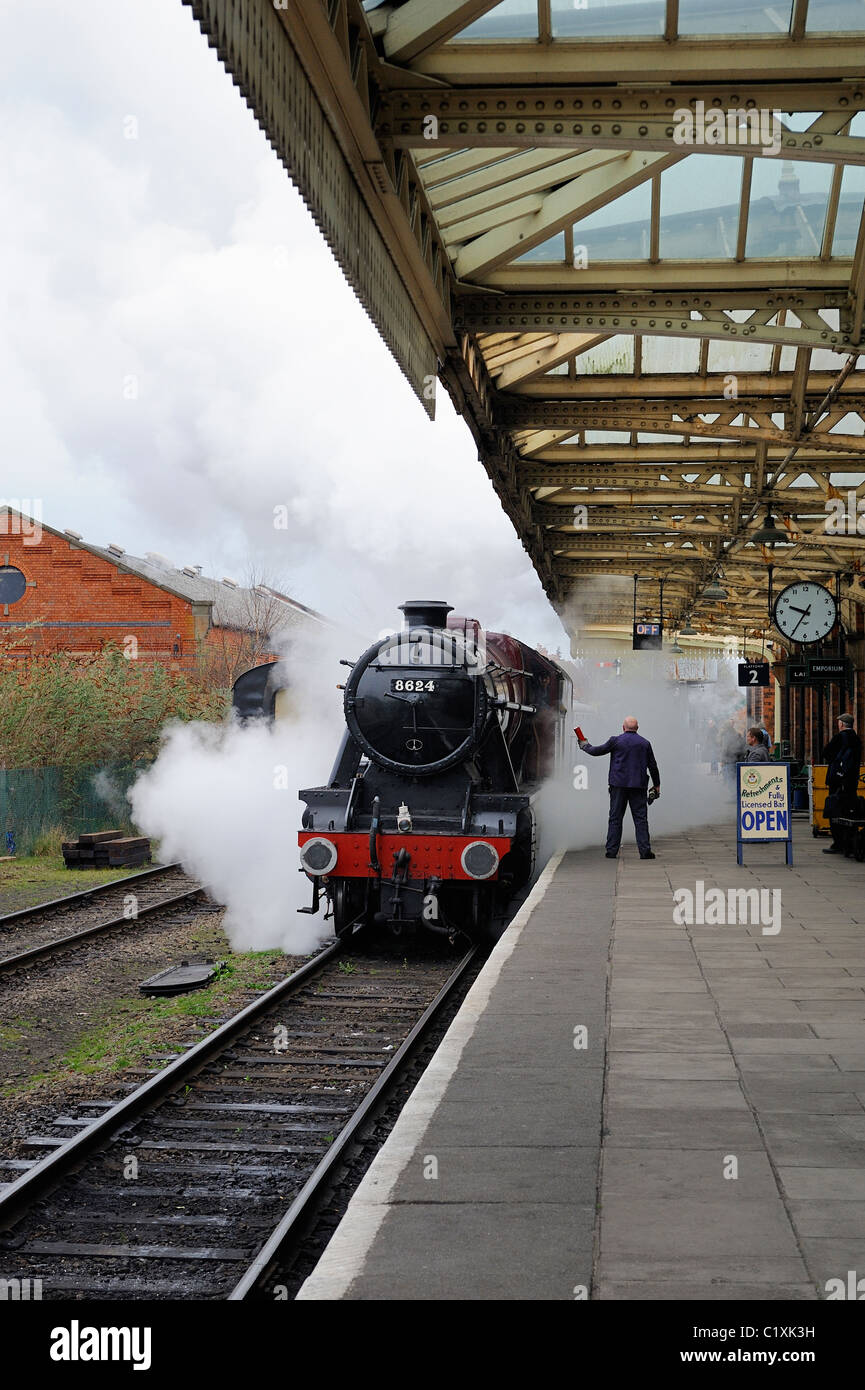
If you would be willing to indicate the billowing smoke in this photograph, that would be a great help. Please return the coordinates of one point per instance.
(222, 800)
(108, 788)
(674, 716)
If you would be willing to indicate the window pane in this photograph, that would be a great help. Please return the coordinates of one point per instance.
(617, 232)
(551, 250)
(738, 357)
(511, 19)
(788, 208)
(849, 210)
(670, 354)
(598, 17)
(615, 356)
(707, 17)
(700, 208)
(835, 16)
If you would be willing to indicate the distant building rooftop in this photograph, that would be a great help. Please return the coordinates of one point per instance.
(233, 606)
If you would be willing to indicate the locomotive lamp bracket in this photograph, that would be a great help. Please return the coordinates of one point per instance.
(314, 907)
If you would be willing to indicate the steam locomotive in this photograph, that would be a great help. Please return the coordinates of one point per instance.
(427, 822)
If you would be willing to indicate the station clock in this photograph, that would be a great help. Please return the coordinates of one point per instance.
(805, 612)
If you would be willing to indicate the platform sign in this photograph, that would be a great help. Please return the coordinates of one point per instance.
(764, 806)
(648, 636)
(829, 669)
(753, 673)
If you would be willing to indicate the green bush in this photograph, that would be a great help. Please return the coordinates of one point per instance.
(48, 841)
(60, 711)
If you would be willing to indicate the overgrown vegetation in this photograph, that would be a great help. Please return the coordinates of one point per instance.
(71, 712)
(132, 1029)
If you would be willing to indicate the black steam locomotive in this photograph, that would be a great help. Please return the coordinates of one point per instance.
(427, 820)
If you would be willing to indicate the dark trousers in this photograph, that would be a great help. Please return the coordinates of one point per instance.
(635, 797)
(846, 799)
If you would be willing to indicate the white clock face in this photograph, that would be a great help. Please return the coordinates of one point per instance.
(805, 612)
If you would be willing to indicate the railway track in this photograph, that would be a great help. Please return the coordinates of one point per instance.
(35, 933)
(196, 1184)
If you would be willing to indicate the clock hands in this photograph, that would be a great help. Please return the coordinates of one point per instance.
(804, 612)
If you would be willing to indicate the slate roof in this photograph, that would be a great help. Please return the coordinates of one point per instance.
(231, 606)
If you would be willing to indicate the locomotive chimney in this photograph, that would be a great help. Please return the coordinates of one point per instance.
(430, 612)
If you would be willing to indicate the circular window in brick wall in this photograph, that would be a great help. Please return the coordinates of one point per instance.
(13, 585)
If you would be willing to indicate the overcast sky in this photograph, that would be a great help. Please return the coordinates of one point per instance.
(179, 353)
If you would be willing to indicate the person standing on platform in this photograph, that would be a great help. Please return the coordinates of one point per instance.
(843, 756)
(757, 750)
(631, 762)
(731, 751)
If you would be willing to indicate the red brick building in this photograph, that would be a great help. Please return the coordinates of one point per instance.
(60, 593)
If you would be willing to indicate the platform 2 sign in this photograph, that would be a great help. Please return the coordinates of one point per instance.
(753, 673)
(763, 806)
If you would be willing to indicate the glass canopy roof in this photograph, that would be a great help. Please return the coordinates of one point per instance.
(570, 19)
(654, 216)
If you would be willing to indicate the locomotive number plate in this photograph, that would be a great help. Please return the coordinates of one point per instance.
(401, 683)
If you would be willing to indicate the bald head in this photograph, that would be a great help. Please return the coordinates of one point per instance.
(630, 725)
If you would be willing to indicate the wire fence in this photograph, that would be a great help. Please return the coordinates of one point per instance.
(37, 802)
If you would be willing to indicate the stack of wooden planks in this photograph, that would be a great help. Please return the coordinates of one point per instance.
(106, 849)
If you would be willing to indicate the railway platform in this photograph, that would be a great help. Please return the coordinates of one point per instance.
(646, 1095)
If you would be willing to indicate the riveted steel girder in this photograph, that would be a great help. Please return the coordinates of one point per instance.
(665, 417)
(632, 118)
(772, 392)
(706, 60)
(669, 315)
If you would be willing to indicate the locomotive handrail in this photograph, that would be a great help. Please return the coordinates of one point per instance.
(373, 835)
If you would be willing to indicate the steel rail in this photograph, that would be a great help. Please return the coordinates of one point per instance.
(70, 898)
(20, 1194)
(282, 1235)
(60, 943)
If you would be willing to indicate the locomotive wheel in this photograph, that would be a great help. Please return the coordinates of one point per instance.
(348, 900)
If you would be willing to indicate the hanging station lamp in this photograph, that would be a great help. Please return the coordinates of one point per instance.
(770, 533)
(715, 592)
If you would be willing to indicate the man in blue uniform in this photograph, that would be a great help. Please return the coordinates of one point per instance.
(631, 762)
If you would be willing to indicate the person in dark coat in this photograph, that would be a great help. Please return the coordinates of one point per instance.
(843, 756)
(631, 762)
(732, 752)
(757, 750)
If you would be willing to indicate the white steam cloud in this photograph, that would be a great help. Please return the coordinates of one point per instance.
(674, 717)
(222, 799)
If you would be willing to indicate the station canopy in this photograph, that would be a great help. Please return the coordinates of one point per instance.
(629, 240)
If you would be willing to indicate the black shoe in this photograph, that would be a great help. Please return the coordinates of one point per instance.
(612, 856)
(650, 855)
(833, 849)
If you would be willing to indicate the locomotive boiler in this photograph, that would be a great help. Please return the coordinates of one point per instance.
(427, 822)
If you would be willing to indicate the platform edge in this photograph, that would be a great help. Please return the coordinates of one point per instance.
(346, 1254)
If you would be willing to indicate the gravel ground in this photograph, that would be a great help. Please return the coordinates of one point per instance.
(78, 1028)
(28, 881)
